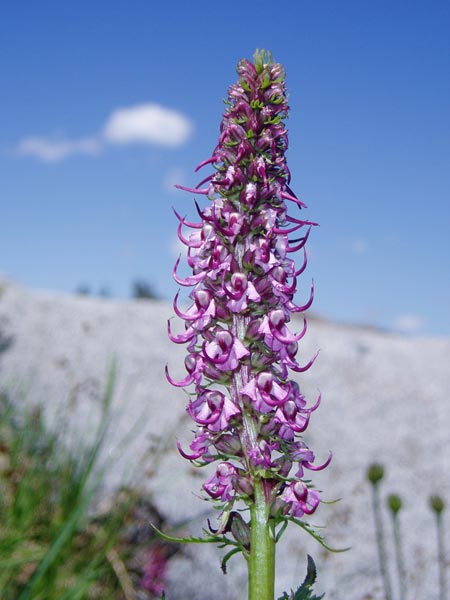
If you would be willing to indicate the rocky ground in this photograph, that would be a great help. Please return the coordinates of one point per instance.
(385, 399)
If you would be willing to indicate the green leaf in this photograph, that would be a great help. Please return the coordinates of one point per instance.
(316, 535)
(276, 99)
(305, 592)
(53, 552)
(265, 82)
(273, 121)
(256, 104)
(281, 531)
(79, 589)
(259, 59)
(184, 540)
(311, 573)
(210, 539)
(226, 558)
(245, 85)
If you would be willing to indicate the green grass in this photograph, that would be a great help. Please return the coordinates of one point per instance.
(50, 549)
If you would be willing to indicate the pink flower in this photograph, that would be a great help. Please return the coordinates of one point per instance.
(153, 578)
(240, 340)
(300, 498)
(221, 485)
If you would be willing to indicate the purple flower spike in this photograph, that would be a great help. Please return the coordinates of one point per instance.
(241, 342)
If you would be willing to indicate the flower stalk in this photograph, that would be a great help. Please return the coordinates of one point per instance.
(375, 474)
(437, 505)
(395, 505)
(241, 347)
(261, 572)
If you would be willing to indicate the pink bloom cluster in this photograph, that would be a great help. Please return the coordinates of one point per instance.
(153, 579)
(240, 346)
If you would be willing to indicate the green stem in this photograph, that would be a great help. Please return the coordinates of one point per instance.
(380, 542)
(441, 558)
(261, 563)
(399, 557)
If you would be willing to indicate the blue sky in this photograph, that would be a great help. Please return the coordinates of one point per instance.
(86, 180)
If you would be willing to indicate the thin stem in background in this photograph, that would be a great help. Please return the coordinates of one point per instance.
(395, 505)
(437, 505)
(375, 474)
(399, 558)
(441, 559)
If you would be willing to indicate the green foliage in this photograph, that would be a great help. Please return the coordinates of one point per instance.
(312, 530)
(305, 592)
(262, 58)
(222, 541)
(47, 549)
(51, 548)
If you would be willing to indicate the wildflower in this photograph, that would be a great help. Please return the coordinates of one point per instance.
(154, 571)
(241, 343)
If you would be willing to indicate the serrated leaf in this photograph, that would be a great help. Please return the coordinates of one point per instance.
(311, 572)
(209, 539)
(316, 535)
(305, 592)
(186, 540)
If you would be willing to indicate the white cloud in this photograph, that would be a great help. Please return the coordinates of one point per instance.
(409, 323)
(53, 149)
(147, 124)
(140, 124)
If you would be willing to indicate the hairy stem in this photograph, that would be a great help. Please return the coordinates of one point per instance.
(261, 564)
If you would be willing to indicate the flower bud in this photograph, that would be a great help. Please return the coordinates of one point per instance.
(244, 486)
(229, 444)
(279, 507)
(252, 333)
(394, 503)
(240, 529)
(375, 473)
(437, 504)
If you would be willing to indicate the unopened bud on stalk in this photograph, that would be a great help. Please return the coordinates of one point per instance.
(394, 503)
(375, 473)
(437, 504)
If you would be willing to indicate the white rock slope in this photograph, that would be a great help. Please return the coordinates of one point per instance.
(385, 399)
